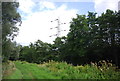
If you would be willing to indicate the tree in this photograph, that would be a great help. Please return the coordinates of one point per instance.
(58, 47)
(15, 51)
(93, 38)
(10, 17)
(109, 26)
(37, 52)
(77, 40)
(27, 53)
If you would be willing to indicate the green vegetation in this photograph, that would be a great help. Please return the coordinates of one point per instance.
(90, 39)
(61, 70)
(25, 70)
(10, 17)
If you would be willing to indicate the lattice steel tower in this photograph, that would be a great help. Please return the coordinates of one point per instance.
(58, 27)
(118, 5)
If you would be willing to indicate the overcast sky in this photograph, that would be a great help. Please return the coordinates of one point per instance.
(38, 14)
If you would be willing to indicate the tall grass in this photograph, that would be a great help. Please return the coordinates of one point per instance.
(100, 70)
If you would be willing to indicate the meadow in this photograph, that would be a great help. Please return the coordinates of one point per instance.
(59, 70)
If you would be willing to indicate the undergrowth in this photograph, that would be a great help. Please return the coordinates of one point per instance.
(100, 70)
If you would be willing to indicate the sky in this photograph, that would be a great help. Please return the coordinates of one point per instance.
(37, 16)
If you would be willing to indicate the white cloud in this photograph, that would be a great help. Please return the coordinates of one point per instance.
(70, 0)
(26, 5)
(37, 25)
(102, 5)
(46, 4)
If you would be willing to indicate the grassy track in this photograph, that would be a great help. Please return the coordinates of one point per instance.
(29, 71)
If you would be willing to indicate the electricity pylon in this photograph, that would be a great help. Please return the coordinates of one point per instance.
(58, 28)
(118, 5)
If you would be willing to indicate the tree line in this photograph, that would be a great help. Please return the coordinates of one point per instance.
(91, 38)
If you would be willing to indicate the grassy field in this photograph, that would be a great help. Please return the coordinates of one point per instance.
(24, 70)
(58, 70)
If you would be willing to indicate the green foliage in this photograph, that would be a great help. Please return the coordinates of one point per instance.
(93, 38)
(109, 70)
(67, 71)
(10, 17)
(38, 52)
(62, 70)
(15, 51)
